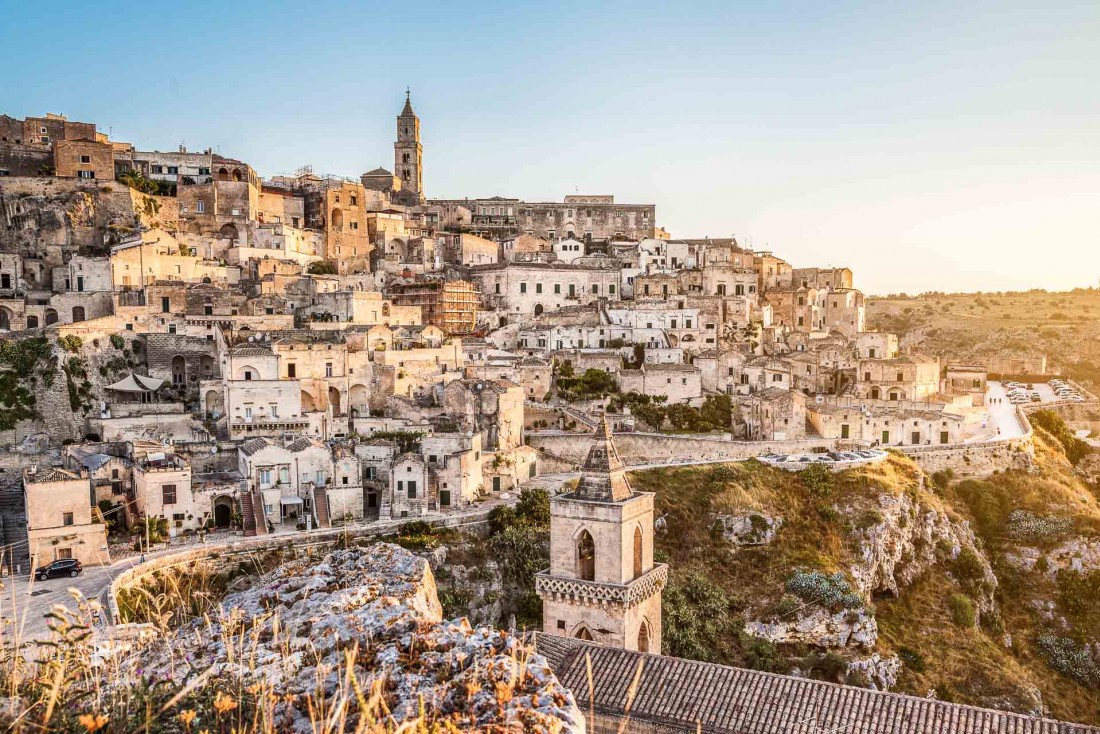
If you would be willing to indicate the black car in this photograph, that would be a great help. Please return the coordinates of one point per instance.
(61, 567)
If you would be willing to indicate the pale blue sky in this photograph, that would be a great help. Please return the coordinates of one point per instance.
(942, 145)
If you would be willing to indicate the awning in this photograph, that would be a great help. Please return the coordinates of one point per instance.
(284, 501)
(136, 383)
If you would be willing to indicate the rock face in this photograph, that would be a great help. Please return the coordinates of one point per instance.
(846, 628)
(752, 528)
(875, 672)
(374, 612)
(906, 541)
(1077, 554)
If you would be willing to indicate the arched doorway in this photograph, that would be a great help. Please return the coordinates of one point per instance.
(875, 393)
(213, 402)
(223, 511)
(309, 403)
(223, 175)
(236, 174)
(586, 557)
(643, 637)
(78, 313)
(583, 634)
(229, 231)
(538, 309)
(334, 400)
(32, 322)
(179, 370)
(5, 319)
(637, 552)
(51, 316)
(896, 395)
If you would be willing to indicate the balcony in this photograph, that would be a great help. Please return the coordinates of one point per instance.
(580, 591)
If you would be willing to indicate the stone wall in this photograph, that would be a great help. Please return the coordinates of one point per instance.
(638, 449)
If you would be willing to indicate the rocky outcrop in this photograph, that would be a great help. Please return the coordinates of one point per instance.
(1077, 554)
(369, 614)
(875, 672)
(904, 538)
(474, 591)
(749, 528)
(854, 628)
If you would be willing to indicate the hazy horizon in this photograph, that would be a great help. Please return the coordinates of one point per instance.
(947, 148)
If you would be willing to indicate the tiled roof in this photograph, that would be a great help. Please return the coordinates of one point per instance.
(253, 445)
(300, 444)
(49, 474)
(686, 695)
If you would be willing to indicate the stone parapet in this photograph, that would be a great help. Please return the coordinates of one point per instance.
(579, 591)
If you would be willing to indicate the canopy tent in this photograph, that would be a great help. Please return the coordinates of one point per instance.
(136, 384)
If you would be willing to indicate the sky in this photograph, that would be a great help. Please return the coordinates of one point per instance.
(927, 146)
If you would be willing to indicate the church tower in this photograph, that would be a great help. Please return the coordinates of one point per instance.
(407, 153)
(602, 584)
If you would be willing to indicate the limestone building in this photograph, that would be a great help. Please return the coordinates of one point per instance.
(602, 584)
(408, 155)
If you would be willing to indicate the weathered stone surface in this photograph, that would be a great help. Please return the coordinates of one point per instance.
(875, 672)
(298, 624)
(1076, 554)
(749, 528)
(820, 628)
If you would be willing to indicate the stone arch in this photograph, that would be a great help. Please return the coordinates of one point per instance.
(179, 370)
(247, 372)
(213, 402)
(336, 220)
(51, 316)
(237, 174)
(538, 309)
(582, 633)
(223, 511)
(229, 231)
(643, 636)
(78, 313)
(5, 318)
(32, 322)
(309, 403)
(206, 365)
(637, 551)
(875, 393)
(586, 556)
(223, 174)
(897, 394)
(334, 400)
(360, 396)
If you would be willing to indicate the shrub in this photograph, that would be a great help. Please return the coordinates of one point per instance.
(818, 480)
(1052, 423)
(912, 659)
(697, 617)
(761, 654)
(1070, 658)
(968, 566)
(117, 341)
(942, 479)
(322, 267)
(833, 592)
(962, 610)
(70, 343)
(1027, 526)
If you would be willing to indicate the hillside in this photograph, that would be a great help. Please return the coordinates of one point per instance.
(980, 592)
(973, 327)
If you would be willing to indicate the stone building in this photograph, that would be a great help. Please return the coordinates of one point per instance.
(450, 305)
(526, 289)
(408, 154)
(885, 425)
(59, 518)
(902, 378)
(772, 414)
(679, 383)
(83, 158)
(602, 584)
(162, 488)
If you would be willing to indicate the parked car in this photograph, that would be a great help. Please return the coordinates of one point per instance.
(61, 567)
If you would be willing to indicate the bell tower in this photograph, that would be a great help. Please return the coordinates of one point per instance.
(602, 584)
(407, 153)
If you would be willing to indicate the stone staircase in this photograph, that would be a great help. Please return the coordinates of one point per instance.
(321, 508)
(252, 514)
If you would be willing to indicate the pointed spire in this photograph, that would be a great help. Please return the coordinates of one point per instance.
(604, 476)
(408, 103)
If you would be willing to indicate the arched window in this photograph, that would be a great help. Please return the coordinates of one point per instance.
(336, 220)
(583, 634)
(51, 316)
(236, 174)
(643, 637)
(637, 552)
(223, 175)
(586, 557)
